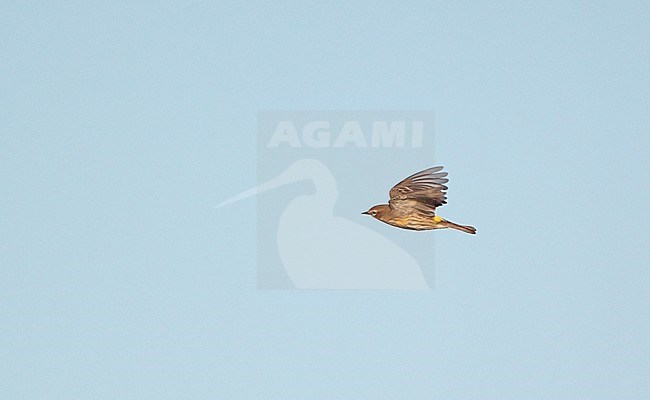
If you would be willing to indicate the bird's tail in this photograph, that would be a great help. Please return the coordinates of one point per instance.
(464, 228)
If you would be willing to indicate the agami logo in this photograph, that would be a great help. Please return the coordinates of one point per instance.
(319, 134)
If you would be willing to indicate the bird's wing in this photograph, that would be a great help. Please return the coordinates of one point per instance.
(423, 191)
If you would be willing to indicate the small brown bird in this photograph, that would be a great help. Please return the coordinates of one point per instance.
(413, 203)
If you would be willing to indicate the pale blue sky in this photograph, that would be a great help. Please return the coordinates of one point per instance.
(122, 125)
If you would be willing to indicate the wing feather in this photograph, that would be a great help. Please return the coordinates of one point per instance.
(422, 191)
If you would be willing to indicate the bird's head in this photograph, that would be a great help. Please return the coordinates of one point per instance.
(377, 211)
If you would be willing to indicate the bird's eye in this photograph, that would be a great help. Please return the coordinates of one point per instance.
(374, 213)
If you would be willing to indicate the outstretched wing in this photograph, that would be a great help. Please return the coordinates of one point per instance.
(423, 191)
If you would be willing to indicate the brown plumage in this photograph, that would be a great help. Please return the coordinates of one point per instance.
(413, 203)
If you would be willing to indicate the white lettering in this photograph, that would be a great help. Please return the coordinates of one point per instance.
(385, 134)
(350, 132)
(417, 134)
(316, 134)
(285, 132)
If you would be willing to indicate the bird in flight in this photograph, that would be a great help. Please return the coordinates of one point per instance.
(413, 203)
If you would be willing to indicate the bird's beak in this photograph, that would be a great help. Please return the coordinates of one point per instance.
(365, 212)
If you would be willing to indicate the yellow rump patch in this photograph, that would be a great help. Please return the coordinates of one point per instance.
(438, 219)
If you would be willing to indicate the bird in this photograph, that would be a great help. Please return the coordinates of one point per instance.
(413, 203)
